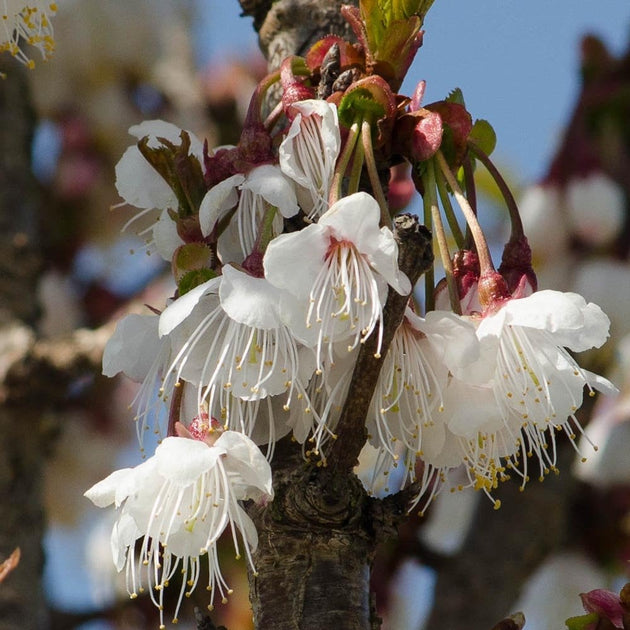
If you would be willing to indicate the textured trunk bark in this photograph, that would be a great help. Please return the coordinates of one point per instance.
(316, 545)
(333, 569)
(318, 537)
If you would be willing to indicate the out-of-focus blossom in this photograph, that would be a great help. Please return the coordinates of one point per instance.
(550, 594)
(595, 208)
(543, 221)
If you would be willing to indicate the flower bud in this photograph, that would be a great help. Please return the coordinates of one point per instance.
(493, 291)
(293, 90)
(604, 603)
(458, 122)
(418, 135)
(401, 187)
(516, 267)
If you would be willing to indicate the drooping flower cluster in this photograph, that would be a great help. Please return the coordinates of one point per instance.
(286, 271)
(179, 502)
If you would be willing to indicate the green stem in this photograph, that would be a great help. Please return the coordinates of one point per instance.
(265, 232)
(471, 195)
(510, 202)
(448, 211)
(375, 181)
(429, 181)
(358, 159)
(485, 260)
(342, 164)
(429, 274)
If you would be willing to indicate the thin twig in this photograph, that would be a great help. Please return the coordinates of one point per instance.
(415, 256)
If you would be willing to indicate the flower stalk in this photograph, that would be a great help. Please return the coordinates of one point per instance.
(485, 260)
(437, 227)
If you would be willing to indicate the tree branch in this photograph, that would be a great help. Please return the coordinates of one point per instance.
(414, 258)
(291, 27)
(502, 548)
(22, 440)
(46, 368)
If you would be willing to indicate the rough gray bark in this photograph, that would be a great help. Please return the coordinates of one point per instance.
(22, 435)
(314, 554)
(291, 27)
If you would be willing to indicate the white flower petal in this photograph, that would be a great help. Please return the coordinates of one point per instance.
(183, 461)
(293, 261)
(385, 260)
(218, 201)
(355, 219)
(600, 383)
(124, 534)
(155, 129)
(574, 323)
(269, 182)
(103, 493)
(452, 337)
(176, 312)
(247, 528)
(165, 236)
(469, 409)
(244, 458)
(249, 300)
(133, 347)
(140, 185)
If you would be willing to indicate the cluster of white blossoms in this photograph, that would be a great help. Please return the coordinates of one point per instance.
(281, 280)
(26, 23)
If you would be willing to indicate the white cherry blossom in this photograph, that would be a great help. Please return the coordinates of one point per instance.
(595, 208)
(178, 503)
(339, 269)
(141, 186)
(309, 151)
(409, 395)
(525, 385)
(543, 219)
(249, 196)
(231, 342)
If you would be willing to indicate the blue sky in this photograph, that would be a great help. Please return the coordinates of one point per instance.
(515, 60)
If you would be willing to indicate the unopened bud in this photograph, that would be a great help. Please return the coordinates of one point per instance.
(401, 187)
(516, 267)
(493, 291)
